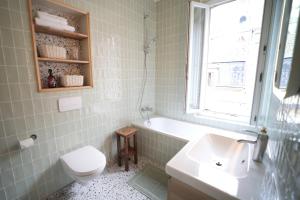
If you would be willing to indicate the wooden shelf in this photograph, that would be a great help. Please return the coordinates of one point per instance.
(62, 60)
(52, 31)
(59, 89)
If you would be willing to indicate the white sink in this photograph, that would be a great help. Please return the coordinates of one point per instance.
(238, 177)
(219, 154)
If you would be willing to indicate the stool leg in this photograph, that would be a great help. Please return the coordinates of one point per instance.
(135, 149)
(126, 154)
(119, 150)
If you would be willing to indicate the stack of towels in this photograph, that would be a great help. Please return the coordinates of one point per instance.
(53, 21)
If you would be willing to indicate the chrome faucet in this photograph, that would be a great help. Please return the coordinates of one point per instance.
(260, 145)
(147, 109)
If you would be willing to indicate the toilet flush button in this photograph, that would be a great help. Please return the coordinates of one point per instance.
(69, 103)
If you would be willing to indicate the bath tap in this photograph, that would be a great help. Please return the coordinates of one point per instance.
(146, 109)
(260, 145)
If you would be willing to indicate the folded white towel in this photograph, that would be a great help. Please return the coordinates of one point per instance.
(54, 20)
(43, 22)
(45, 15)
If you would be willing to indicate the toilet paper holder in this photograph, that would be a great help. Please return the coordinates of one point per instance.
(33, 136)
(24, 144)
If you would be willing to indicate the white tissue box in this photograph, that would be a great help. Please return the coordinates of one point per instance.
(71, 80)
(50, 51)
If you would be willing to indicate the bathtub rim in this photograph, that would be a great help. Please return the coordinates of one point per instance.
(192, 137)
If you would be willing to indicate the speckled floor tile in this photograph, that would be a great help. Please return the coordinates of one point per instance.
(111, 184)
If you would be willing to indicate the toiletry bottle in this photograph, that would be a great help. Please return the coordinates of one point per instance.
(51, 79)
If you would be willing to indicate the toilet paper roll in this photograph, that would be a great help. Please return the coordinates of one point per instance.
(26, 143)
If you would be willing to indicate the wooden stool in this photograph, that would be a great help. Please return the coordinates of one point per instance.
(126, 133)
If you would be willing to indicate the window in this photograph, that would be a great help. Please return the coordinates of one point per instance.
(287, 42)
(225, 43)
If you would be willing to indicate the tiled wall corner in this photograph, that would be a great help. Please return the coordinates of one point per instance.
(117, 34)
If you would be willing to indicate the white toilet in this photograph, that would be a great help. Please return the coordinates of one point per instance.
(84, 164)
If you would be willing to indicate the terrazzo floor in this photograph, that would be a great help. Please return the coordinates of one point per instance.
(110, 185)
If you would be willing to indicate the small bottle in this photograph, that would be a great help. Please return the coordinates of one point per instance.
(51, 79)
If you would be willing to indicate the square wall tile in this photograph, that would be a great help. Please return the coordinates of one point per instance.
(7, 37)
(4, 90)
(6, 110)
(16, 20)
(15, 92)
(4, 4)
(9, 56)
(4, 18)
(2, 62)
(11, 192)
(7, 178)
(14, 5)
(9, 127)
(2, 192)
(12, 74)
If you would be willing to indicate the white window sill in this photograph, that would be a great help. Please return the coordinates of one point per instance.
(227, 124)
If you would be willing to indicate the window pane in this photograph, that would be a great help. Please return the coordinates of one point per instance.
(197, 39)
(289, 45)
(235, 30)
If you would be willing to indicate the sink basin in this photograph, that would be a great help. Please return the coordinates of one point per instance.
(218, 154)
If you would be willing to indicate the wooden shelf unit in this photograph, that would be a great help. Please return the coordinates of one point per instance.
(82, 35)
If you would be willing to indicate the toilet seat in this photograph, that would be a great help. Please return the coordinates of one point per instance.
(84, 161)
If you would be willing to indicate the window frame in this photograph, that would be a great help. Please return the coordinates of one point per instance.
(261, 62)
(284, 26)
(194, 4)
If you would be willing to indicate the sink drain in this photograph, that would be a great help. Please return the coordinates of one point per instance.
(219, 164)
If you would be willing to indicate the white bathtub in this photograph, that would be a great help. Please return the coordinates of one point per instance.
(179, 129)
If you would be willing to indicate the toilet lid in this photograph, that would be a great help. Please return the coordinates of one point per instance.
(84, 161)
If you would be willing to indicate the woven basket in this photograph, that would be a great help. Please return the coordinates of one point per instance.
(51, 51)
(71, 80)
